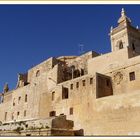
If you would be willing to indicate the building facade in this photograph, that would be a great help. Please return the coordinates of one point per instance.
(99, 93)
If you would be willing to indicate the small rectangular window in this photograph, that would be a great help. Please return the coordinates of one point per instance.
(53, 95)
(82, 72)
(18, 113)
(24, 113)
(71, 111)
(26, 98)
(71, 86)
(77, 84)
(19, 98)
(13, 116)
(91, 80)
(5, 118)
(65, 93)
(133, 46)
(14, 102)
(107, 82)
(84, 82)
(52, 113)
(132, 76)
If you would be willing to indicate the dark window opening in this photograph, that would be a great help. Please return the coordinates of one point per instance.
(26, 125)
(53, 95)
(5, 118)
(71, 86)
(24, 113)
(133, 46)
(18, 113)
(65, 93)
(52, 113)
(84, 82)
(76, 73)
(38, 73)
(132, 76)
(71, 111)
(62, 114)
(77, 85)
(121, 45)
(26, 98)
(12, 116)
(19, 98)
(14, 102)
(82, 72)
(28, 134)
(108, 82)
(91, 80)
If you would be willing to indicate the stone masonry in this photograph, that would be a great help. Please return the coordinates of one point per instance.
(90, 94)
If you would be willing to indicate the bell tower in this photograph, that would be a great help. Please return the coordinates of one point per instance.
(125, 35)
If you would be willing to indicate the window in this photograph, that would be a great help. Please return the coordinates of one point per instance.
(53, 95)
(62, 114)
(103, 86)
(5, 117)
(120, 45)
(19, 98)
(82, 72)
(84, 82)
(91, 80)
(38, 73)
(65, 93)
(13, 116)
(133, 46)
(132, 76)
(71, 111)
(26, 125)
(24, 113)
(107, 82)
(52, 113)
(26, 98)
(77, 84)
(14, 102)
(71, 86)
(18, 113)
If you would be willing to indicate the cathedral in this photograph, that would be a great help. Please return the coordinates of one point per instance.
(88, 95)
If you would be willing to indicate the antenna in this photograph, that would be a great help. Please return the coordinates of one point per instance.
(81, 48)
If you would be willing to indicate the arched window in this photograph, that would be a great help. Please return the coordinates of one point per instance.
(37, 73)
(120, 45)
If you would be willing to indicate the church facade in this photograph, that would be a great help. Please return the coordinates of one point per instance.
(100, 94)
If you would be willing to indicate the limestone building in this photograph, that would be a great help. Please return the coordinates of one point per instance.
(97, 94)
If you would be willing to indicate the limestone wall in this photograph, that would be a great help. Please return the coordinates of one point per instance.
(104, 115)
(108, 62)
